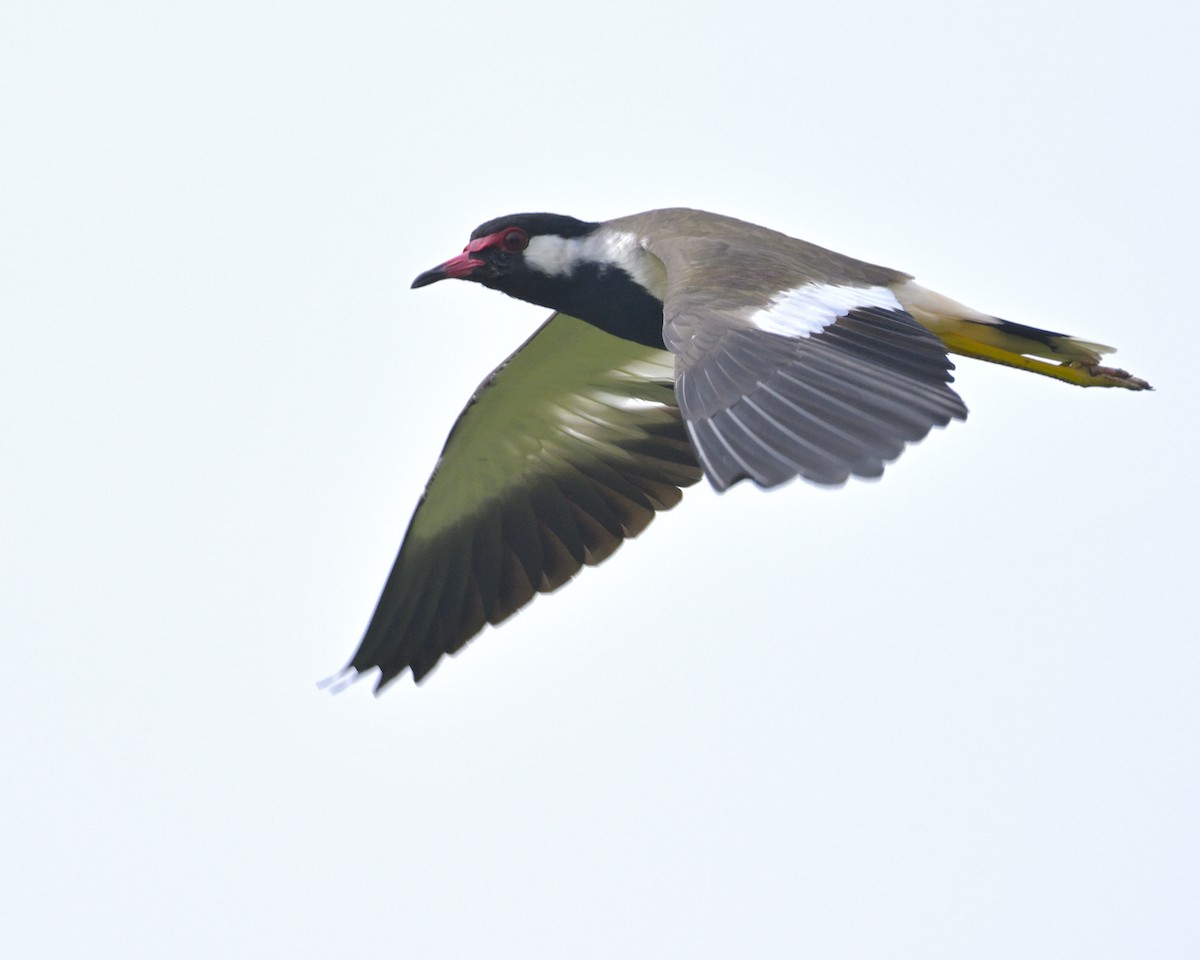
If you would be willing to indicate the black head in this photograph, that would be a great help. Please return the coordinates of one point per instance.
(554, 262)
(495, 255)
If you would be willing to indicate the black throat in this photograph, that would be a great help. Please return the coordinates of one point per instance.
(598, 293)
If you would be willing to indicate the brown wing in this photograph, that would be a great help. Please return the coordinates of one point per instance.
(569, 447)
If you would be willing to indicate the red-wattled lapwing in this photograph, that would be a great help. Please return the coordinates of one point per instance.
(682, 344)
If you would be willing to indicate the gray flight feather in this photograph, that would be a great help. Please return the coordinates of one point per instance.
(850, 381)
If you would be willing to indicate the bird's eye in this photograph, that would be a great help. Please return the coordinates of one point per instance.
(515, 240)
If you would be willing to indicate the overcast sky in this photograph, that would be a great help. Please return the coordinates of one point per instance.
(950, 714)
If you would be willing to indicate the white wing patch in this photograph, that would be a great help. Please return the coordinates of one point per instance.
(559, 256)
(809, 309)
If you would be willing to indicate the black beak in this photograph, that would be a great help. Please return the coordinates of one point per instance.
(430, 276)
(460, 267)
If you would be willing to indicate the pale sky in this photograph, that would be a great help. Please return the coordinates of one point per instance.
(955, 713)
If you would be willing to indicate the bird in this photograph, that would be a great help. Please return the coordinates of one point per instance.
(681, 344)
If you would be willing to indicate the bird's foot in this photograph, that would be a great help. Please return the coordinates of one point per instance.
(1110, 376)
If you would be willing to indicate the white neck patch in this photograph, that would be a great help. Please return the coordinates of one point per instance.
(560, 256)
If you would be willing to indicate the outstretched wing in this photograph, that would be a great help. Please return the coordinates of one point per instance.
(570, 446)
(792, 360)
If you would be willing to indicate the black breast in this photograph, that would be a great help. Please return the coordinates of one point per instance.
(600, 294)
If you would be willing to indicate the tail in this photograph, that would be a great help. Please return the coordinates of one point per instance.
(974, 334)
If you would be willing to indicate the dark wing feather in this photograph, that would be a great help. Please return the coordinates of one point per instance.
(568, 448)
(769, 407)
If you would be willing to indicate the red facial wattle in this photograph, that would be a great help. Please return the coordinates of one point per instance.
(511, 240)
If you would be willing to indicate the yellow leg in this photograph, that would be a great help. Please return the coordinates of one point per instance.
(1080, 374)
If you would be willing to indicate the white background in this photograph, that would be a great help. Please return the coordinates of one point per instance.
(950, 714)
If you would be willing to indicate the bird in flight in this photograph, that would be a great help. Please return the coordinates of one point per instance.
(682, 344)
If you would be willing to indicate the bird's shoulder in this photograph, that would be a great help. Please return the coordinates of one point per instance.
(709, 250)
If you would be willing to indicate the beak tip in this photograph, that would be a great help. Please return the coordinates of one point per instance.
(457, 268)
(428, 277)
